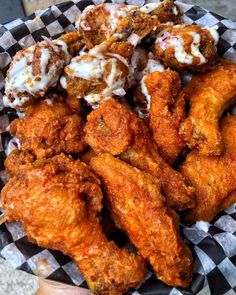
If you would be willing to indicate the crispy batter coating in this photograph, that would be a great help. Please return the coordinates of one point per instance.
(166, 113)
(17, 160)
(49, 128)
(98, 74)
(74, 41)
(98, 23)
(114, 128)
(209, 95)
(186, 47)
(58, 201)
(214, 178)
(140, 210)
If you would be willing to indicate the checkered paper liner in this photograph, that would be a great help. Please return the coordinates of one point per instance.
(213, 244)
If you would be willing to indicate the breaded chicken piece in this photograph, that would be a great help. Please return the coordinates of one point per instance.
(140, 210)
(33, 71)
(100, 73)
(50, 127)
(186, 47)
(214, 178)
(98, 23)
(166, 112)
(74, 41)
(115, 129)
(17, 160)
(59, 201)
(209, 95)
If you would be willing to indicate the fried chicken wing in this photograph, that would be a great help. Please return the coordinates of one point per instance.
(33, 71)
(49, 127)
(186, 47)
(166, 112)
(213, 178)
(58, 201)
(140, 210)
(115, 129)
(209, 95)
(98, 74)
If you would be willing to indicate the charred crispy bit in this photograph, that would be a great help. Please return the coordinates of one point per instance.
(100, 73)
(166, 112)
(33, 71)
(17, 160)
(209, 94)
(59, 201)
(115, 129)
(214, 178)
(74, 41)
(186, 47)
(50, 127)
(140, 210)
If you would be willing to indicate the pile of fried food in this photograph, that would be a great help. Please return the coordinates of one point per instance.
(109, 122)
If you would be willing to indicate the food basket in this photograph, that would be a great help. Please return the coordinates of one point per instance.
(213, 244)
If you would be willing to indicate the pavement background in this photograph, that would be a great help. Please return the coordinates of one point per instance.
(15, 282)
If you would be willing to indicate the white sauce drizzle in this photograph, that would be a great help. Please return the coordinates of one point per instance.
(214, 33)
(152, 66)
(93, 66)
(21, 84)
(81, 20)
(175, 10)
(167, 40)
(145, 92)
(116, 13)
(148, 8)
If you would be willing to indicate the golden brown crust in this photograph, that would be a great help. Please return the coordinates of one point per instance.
(166, 113)
(213, 177)
(140, 210)
(114, 128)
(74, 41)
(17, 160)
(209, 95)
(49, 128)
(58, 201)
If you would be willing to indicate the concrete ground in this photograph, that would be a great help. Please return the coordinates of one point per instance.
(14, 282)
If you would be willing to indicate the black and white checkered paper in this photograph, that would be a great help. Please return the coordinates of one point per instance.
(213, 245)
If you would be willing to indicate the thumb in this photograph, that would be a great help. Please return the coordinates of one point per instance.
(53, 288)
